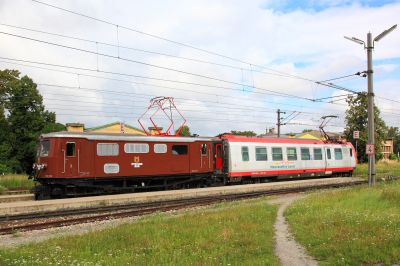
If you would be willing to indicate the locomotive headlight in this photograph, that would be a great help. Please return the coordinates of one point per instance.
(39, 166)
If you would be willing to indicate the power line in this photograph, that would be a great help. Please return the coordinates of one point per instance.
(280, 94)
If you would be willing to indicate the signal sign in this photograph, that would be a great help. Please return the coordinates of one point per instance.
(356, 134)
(370, 149)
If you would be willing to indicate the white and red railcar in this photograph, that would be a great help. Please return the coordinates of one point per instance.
(266, 158)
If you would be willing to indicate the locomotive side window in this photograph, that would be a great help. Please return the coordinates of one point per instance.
(203, 149)
(277, 154)
(351, 152)
(70, 151)
(338, 154)
(317, 154)
(261, 154)
(305, 154)
(160, 148)
(179, 149)
(136, 148)
(44, 148)
(328, 153)
(107, 149)
(291, 154)
(245, 154)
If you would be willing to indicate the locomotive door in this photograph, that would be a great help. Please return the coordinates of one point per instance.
(205, 154)
(218, 157)
(70, 163)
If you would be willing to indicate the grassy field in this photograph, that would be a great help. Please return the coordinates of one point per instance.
(383, 169)
(14, 182)
(358, 226)
(228, 234)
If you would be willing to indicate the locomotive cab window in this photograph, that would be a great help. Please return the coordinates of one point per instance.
(338, 154)
(70, 150)
(179, 149)
(203, 149)
(305, 154)
(44, 148)
(291, 154)
(277, 154)
(261, 154)
(318, 154)
(245, 154)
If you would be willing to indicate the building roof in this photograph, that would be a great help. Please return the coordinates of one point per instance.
(112, 124)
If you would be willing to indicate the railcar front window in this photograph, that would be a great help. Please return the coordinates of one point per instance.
(317, 154)
(44, 148)
(261, 154)
(277, 154)
(305, 154)
(245, 154)
(338, 154)
(291, 154)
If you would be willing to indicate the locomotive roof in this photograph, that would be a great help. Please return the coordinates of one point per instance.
(123, 137)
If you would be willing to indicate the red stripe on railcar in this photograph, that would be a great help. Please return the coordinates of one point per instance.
(292, 171)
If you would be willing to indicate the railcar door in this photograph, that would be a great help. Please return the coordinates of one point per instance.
(218, 157)
(70, 162)
(328, 158)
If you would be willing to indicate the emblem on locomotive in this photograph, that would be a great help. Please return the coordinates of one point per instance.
(136, 162)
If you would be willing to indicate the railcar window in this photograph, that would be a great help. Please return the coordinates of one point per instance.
(261, 154)
(179, 149)
(277, 154)
(70, 149)
(136, 148)
(305, 154)
(204, 149)
(338, 154)
(351, 152)
(245, 154)
(328, 153)
(44, 148)
(291, 154)
(160, 148)
(107, 149)
(317, 154)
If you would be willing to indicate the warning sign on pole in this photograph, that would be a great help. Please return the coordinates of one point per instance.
(370, 149)
(356, 134)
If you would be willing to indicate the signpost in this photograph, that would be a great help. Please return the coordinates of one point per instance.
(370, 149)
(356, 136)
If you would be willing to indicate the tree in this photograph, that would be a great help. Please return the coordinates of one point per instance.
(243, 133)
(23, 119)
(185, 131)
(393, 133)
(357, 120)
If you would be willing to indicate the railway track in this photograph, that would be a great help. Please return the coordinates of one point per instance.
(42, 220)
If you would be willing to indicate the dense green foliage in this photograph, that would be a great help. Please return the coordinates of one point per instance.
(358, 226)
(185, 131)
(394, 133)
(22, 119)
(244, 133)
(357, 120)
(237, 233)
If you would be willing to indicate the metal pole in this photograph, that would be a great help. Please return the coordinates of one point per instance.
(279, 122)
(371, 124)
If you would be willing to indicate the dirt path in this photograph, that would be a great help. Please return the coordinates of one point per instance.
(286, 248)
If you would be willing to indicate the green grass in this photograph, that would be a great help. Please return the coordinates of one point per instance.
(358, 226)
(239, 233)
(14, 182)
(383, 169)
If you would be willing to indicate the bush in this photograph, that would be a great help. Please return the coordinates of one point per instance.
(4, 169)
(393, 156)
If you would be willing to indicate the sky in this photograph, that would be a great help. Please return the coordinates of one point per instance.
(228, 65)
